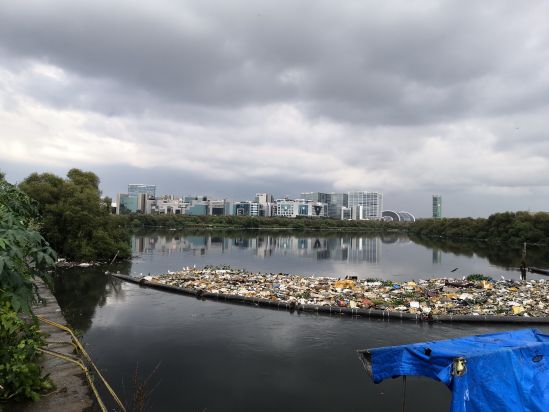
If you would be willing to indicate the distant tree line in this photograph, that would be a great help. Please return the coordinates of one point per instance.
(507, 227)
(252, 222)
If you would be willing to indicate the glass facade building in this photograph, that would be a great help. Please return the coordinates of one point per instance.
(217, 208)
(135, 188)
(197, 210)
(437, 207)
(303, 210)
(246, 209)
(126, 203)
(337, 202)
(316, 197)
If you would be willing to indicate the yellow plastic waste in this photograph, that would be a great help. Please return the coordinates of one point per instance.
(517, 310)
(344, 284)
(487, 285)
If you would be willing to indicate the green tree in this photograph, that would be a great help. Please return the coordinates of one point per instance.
(76, 222)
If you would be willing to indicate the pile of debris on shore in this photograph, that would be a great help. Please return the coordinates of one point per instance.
(477, 295)
(64, 264)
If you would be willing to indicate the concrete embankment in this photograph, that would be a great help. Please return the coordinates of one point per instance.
(71, 392)
(334, 310)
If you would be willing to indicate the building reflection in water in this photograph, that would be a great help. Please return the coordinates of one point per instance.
(437, 256)
(345, 248)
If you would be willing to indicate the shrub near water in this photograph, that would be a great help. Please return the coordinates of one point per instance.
(24, 254)
(20, 375)
(76, 222)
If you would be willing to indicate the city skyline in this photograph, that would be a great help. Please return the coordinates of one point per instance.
(228, 99)
(357, 205)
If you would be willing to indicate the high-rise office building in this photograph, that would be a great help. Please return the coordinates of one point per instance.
(265, 203)
(126, 203)
(337, 202)
(263, 198)
(246, 208)
(316, 197)
(135, 202)
(135, 188)
(371, 202)
(356, 198)
(437, 206)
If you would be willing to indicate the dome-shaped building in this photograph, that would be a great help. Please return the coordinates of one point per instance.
(406, 217)
(391, 216)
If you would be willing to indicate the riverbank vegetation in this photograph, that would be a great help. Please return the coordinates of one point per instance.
(507, 255)
(247, 222)
(512, 228)
(509, 227)
(24, 255)
(76, 221)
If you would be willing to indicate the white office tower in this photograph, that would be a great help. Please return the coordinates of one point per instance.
(366, 205)
(263, 198)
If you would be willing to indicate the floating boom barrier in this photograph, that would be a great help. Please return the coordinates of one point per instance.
(334, 310)
(539, 271)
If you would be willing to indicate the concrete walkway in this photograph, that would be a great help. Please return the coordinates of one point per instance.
(72, 393)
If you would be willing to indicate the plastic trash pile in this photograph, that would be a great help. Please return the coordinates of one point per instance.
(438, 296)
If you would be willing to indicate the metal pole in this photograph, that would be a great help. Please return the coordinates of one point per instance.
(523, 264)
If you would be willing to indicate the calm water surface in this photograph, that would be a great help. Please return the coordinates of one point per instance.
(393, 256)
(226, 357)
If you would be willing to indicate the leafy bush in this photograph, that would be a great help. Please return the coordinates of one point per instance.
(20, 375)
(75, 220)
(24, 254)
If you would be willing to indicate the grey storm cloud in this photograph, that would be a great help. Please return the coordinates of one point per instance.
(359, 61)
(397, 96)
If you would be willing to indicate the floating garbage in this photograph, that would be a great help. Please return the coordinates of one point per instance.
(431, 297)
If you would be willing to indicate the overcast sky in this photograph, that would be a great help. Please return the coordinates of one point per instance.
(230, 98)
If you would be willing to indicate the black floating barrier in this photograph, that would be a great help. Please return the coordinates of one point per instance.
(355, 312)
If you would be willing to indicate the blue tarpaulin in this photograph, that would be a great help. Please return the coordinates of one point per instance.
(507, 371)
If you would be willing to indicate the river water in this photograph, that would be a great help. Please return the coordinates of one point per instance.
(212, 356)
(388, 257)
